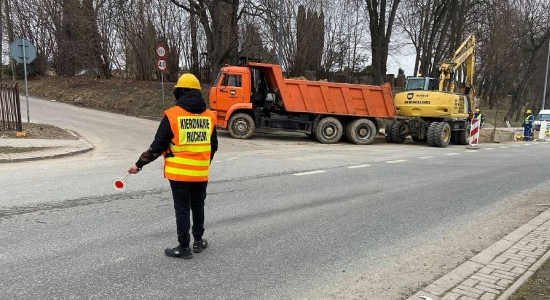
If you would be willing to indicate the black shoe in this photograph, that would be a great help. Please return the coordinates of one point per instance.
(184, 253)
(198, 246)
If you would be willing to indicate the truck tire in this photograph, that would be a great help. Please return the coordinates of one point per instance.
(397, 132)
(442, 134)
(361, 131)
(241, 126)
(329, 130)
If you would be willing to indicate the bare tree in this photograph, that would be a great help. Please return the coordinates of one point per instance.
(219, 20)
(381, 19)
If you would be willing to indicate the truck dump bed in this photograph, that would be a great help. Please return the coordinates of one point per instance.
(338, 98)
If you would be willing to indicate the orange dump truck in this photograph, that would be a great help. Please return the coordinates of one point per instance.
(256, 97)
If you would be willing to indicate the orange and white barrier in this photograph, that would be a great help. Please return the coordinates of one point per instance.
(474, 133)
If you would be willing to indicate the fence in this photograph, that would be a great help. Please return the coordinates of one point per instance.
(10, 108)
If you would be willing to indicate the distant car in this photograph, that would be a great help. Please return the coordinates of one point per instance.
(543, 115)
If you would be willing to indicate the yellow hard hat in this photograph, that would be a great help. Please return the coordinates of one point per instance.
(528, 111)
(188, 81)
(477, 109)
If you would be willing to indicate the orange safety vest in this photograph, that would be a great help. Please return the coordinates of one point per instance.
(188, 158)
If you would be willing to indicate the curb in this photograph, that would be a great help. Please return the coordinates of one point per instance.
(63, 153)
(460, 282)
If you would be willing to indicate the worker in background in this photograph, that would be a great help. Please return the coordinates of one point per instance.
(187, 139)
(478, 115)
(527, 125)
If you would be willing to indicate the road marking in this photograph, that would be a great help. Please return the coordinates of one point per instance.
(470, 151)
(395, 161)
(309, 173)
(527, 144)
(504, 147)
(232, 158)
(426, 157)
(454, 153)
(488, 149)
(358, 166)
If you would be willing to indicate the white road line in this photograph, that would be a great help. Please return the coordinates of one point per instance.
(488, 149)
(358, 166)
(309, 173)
(426, 157)
(515, 145)
(527, 144)
(232, 158)
(470, 151)
(454, 153)
(503, 147)
(395, 161)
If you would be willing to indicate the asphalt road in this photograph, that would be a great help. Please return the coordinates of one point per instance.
(287, 218)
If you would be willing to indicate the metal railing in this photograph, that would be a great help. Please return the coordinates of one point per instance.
(10, 107)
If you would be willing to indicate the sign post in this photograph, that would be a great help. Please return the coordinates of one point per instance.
(161, 66)
(24, 52)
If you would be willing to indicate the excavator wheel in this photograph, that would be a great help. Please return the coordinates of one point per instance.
(398, 131)
(441, 134)
(430, 134)
(387, 131)
(329, 130)
(241, 126)
(463, 136)
(361, 131)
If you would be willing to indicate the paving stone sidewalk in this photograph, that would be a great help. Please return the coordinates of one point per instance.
(55, 148)
(498, 271)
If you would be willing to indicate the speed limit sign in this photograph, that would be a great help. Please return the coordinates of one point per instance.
(161, 65)
(161, 51)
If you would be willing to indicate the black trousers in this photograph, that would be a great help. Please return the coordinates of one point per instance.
(189, 197)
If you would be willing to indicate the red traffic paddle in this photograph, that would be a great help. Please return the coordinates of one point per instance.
(119, 182)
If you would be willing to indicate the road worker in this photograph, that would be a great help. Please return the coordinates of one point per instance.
(187, 139)
(527, 125)
(478, 115)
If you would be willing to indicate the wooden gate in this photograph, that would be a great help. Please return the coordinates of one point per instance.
(10, 108)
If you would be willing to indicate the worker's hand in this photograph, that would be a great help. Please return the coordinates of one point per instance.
(134, 169)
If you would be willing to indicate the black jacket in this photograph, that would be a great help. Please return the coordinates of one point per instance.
(192, 102)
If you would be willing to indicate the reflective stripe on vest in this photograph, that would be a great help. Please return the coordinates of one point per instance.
(188, 158)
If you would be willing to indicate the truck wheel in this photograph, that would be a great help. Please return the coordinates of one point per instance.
(398, 131)
(361, 131)
(329, 130)
(430, 136)
(241, 126)
(442, 134)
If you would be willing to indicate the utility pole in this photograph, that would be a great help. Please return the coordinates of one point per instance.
(546, 76)
(280, 48)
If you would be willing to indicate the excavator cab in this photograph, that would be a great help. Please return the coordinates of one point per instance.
(421, 84)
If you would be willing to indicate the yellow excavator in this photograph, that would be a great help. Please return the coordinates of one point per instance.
(430, 111)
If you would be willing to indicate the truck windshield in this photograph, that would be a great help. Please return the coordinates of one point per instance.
(415, 84)
(543, 117)
(217, 79)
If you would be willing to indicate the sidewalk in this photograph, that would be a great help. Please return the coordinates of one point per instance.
(498, 271)
(55, 148)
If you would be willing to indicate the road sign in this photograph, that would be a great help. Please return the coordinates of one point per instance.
(161, 65)
(161, 51)
(22, 51)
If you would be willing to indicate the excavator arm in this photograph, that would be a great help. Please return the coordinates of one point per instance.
(464, 54)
